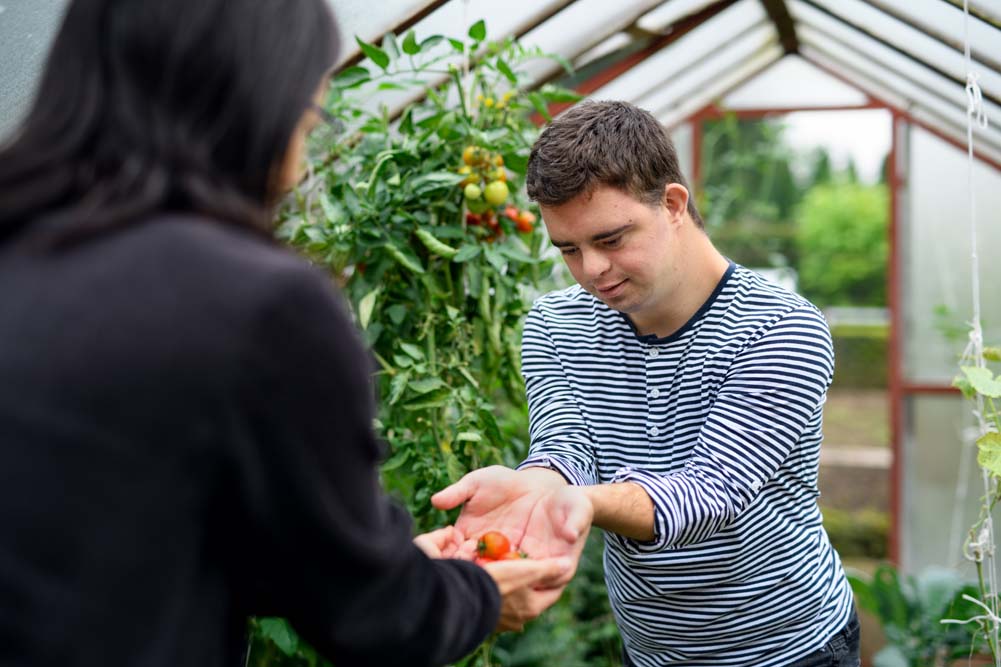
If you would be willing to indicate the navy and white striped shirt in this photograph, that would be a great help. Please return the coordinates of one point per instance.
(721, 424)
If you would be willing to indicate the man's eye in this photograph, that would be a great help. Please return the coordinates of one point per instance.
(613, 242)
(568, 251)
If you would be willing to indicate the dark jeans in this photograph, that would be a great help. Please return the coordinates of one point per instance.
(841, 651)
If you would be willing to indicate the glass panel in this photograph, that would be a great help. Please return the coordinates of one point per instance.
(26, 32)
(610, 45)
(682, 138)
(941, 485)
(912, 41)
(700, 85)
(657, 20)
(814, 22)
(692, 48)
(793, 83)
(927, 96)
(936, 257)
(355, 17)
(948, 20)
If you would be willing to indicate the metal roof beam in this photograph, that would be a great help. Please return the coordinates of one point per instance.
(778, 12)
(982, 13)
(397, 29)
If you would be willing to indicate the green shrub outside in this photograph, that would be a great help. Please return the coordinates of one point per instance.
(860, 356)
(862, 534)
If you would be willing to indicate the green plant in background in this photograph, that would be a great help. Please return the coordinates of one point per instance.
(843, 247)
(423, 221)
(748, 195)
(911, 609)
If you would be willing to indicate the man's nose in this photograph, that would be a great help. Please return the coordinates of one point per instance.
(593, 264)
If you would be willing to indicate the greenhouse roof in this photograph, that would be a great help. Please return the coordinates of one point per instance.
(677, 58)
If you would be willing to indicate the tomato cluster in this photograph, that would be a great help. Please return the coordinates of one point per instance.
(485, 189)
(493, 546)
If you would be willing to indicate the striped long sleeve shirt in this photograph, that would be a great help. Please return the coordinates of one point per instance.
(721, 424)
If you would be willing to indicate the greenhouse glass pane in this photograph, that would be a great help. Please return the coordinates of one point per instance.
(928, 96)
(948, 20)
(681, 137)
(953, 124)
(936, 252)
(809, 17)
(688, 50)
(608, 46)
(912, 41)
(684, 105)
(661, 17)
(793, 82)
(355, 17)
(941, 485)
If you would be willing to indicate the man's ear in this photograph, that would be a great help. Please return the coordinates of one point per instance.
(676, 199)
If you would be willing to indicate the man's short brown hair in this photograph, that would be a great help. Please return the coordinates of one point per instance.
(604, 143)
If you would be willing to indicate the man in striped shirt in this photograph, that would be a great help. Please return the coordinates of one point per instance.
(684, 393)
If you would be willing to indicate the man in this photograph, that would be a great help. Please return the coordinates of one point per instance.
(684, 393)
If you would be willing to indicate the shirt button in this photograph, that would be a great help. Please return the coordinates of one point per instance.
(654, 431)
(655, 393)
(654, 352)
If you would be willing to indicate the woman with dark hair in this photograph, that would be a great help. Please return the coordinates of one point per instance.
(185, 410)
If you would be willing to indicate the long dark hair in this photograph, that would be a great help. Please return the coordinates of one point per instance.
(182, 105)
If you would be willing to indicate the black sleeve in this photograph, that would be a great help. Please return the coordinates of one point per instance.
(329, 550)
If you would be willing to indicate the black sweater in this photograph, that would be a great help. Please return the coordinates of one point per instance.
(185, 440)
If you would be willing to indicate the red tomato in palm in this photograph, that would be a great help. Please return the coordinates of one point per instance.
(493, 544)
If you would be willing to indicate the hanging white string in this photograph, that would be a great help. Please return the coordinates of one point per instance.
(981, 548)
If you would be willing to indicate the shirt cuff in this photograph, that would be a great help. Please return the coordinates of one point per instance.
(570, 473)
(653, 484)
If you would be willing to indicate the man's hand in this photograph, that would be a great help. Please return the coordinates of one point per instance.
(534, 508)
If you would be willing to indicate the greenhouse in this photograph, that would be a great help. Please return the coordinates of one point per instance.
(848, 151)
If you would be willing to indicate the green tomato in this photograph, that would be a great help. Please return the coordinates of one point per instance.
(472, 191)
(497, 192)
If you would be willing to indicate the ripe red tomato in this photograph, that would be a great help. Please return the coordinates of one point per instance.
(513, 555)
(493, 544)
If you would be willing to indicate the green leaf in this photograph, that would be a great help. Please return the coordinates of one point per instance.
(469, 436)
(351, 78)
(552, 93)
(332, 212)
(433, 400)
(458, 45)
(365, 307)
(516, 254)
(478, 31)
(373, 53)
(505, 69)
(415, 352)
(410, 45)
(389, 46)
(431, 42)
(281, 633)
(989, 453)
(539, 103)
(397, 312)
(983, 381)
(396, 460)
(467, 252)
(397, 387)
(406, 258)
(469, 377)
(992, 353)
(496, 259)
(435, 180)
(963, 385)
(424, 385)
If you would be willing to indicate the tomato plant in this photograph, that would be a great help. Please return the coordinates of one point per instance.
(407, 211)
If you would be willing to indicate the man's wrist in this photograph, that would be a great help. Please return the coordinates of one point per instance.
(546, 477)
(624, 508)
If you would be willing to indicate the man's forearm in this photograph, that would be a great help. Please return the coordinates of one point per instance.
(624, 508)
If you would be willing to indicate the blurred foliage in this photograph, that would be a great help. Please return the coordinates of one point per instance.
(911, 610)
(843, 245)
(860, 354)
(861, 534)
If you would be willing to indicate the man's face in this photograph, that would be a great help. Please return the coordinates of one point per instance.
(619, 249)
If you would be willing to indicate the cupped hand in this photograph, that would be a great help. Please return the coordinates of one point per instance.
(526, 588)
